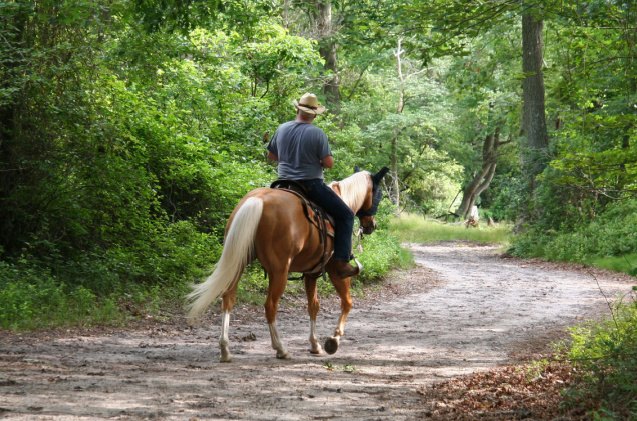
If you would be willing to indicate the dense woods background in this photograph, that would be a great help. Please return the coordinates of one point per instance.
(130, 129)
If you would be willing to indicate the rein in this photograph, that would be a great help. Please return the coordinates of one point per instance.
(359, 240)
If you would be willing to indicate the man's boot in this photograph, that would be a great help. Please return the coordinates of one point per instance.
(344, 269)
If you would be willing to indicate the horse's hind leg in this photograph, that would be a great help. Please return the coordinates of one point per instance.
(229, 299)
(275, 290)
(312, 309)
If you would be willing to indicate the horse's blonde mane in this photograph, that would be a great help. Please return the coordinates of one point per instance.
(354, 189)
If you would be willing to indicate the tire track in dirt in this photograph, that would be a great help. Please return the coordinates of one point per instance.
(464, 309)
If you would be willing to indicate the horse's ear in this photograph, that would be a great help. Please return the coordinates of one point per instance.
(380, 174)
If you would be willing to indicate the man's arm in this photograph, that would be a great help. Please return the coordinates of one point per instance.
(328, 161)
(272, 156)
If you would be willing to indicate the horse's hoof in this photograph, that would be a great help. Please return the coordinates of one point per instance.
(331, 345)
(283, 356)
(317, 350)
(225, 356)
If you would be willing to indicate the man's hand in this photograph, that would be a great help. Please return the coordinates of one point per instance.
(272, 156)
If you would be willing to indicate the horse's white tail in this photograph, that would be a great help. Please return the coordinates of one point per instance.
(237, 252)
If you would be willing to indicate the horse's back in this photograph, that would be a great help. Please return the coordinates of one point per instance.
(284, 233)
(282, 210)
(276, 201)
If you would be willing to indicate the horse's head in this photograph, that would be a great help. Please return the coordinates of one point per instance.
(370, 206)
(362, 193)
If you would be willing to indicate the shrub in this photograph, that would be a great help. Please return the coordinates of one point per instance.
(381, 250)
(506, 203)
(606, 357)
(611, 233)
(91, 287)
(30, 297)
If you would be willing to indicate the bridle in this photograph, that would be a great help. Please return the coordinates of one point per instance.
(377, 195)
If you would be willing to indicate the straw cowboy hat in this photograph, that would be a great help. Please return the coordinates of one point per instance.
(309, 104)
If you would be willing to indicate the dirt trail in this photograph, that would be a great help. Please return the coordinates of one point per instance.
(463, 309)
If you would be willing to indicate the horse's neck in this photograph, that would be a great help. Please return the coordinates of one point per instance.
(352, 193)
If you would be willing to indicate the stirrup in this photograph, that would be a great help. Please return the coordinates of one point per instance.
(359, 265)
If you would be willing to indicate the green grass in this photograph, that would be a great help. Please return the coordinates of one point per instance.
(626, 263)
(416, 229)
(27, 306)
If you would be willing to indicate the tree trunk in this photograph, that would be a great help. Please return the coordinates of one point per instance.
(394, 190)
(535, 149)
(483, 178)
(393, 166)
(328, 49)
(472, 192)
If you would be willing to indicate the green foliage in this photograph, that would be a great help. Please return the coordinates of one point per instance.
(626, 263)
(431, 190)
(606, 359)
(369, 124)
(31, 297)
(129, 130)
(102, 288)
(381, 253)
(124, 147)
(609, 234)
(592, 174)
(253, 286)
(505, 197)
(273, 50)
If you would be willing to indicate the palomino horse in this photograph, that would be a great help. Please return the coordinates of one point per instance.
(270, 225)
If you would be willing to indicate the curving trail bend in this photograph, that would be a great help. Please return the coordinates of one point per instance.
(463, 309)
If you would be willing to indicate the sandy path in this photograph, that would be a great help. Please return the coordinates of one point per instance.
(464, 309)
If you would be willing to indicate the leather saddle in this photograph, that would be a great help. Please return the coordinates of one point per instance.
(317, 217)
(313, 212)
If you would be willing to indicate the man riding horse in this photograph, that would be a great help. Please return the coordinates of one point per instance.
(302, 151)
(271, 225)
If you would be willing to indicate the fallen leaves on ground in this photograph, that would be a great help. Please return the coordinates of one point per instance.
(531, 391)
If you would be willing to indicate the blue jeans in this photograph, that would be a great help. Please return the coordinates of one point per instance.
(343, 216)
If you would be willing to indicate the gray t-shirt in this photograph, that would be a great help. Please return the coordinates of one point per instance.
(299, 148)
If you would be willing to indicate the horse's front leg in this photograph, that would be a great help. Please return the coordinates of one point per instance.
(312, 309)
(342, 286)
